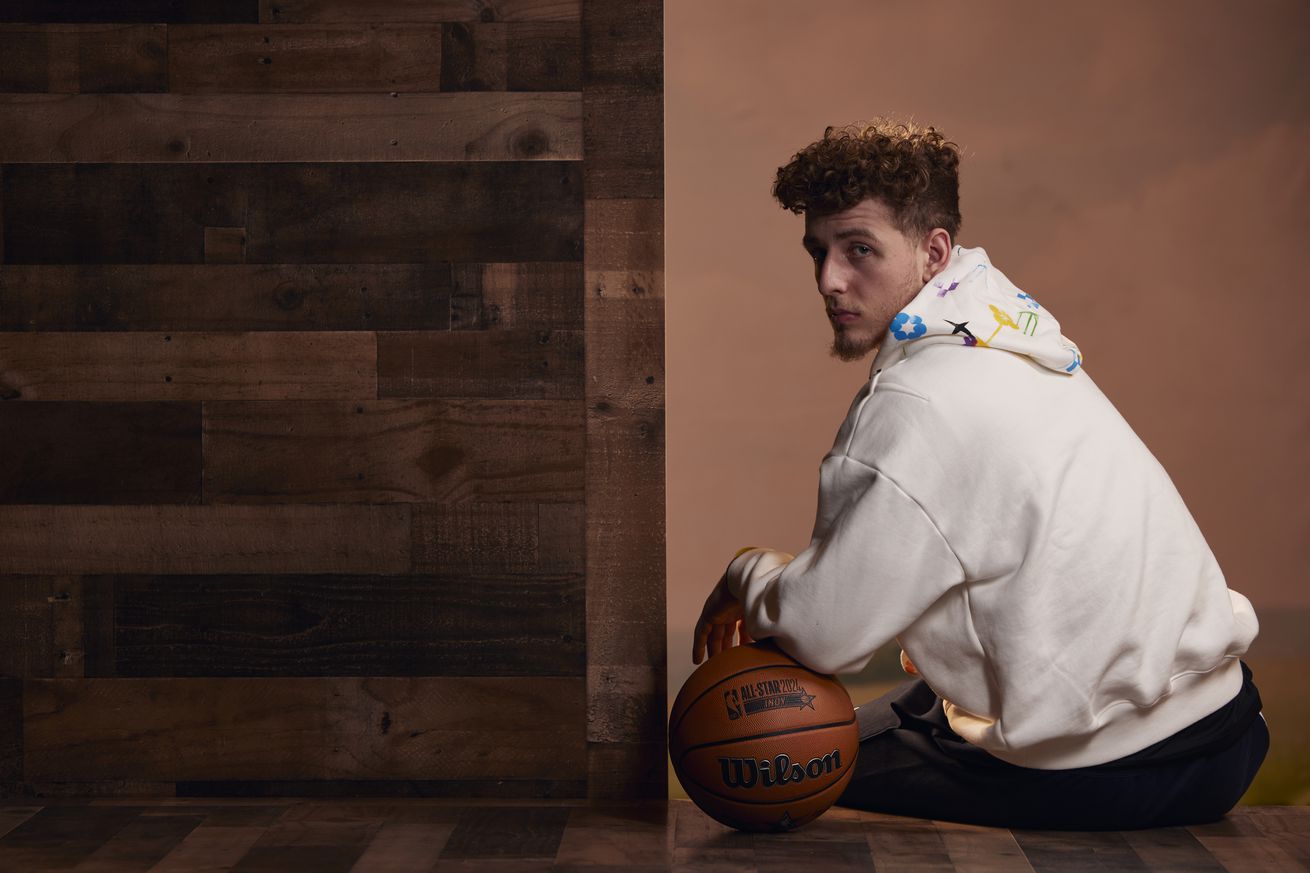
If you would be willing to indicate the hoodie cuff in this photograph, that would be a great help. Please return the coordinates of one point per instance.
(750, 562)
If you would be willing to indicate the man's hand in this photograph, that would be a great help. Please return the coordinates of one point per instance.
(720, 621)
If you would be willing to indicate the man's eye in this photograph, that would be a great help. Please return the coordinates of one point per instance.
(861, 249)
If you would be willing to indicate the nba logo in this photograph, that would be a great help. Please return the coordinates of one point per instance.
(733, 704)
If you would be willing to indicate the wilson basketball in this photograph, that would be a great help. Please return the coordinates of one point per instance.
(759, 741)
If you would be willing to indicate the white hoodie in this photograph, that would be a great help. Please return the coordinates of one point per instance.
(988, 507)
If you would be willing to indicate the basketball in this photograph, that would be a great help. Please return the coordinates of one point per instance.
(759, 741)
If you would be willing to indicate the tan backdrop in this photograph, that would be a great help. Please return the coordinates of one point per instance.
(1142, 167)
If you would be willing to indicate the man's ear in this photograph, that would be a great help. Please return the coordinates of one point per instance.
(937, 247)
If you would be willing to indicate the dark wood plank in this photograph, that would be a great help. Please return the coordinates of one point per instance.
(627, 770)
(58, 837)
(165, 11)
(402, 212)
(400, 845)
(499, 538)
(1171, 850)
(623, 138)
(241, 297)
(265, 59)
(11, 730)
(87, 58)
(530, 56)
(543, 56)
(623, 45)
(498, 788)
(256, 625)
(1077, 851)
(498, 296)
(187, 366)
(389, 451)
(296, 11)
(507, 832)
(908, 845)
(41, 626)
(515, 363)
(304, 728)
(625, 536)
(266, 129)
(620, 835)
(205, 539)
(107, 453)
(141, 843)
(980, 849)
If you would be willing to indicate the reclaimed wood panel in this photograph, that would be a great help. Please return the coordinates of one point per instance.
(85, 58)
(187, 366)
(303, 728)
(165, 11)
(623, 128)
(533, 56)
(405, 212)
(100, 129)
(383, 451)
(334, 625)
(205, 539)
(297, 11)
(497, 296)
(623, 138)
(515, 363)
(106, 453)
(499, 538)
(270, 58)
(248, 297)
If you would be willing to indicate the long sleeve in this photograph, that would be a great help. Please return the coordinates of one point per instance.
(875, 563)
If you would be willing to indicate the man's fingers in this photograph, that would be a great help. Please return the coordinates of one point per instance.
(716, 640)
(698, 642)
(744, 634)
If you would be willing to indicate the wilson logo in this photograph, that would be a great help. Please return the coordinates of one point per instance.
(745, 772)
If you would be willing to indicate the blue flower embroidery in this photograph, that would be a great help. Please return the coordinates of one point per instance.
(906, 327)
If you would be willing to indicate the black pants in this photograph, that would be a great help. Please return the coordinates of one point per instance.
(911, 763)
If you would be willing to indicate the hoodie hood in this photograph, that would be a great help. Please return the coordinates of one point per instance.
(971, 303)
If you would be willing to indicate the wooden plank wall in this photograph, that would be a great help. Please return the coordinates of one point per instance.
(331, 398)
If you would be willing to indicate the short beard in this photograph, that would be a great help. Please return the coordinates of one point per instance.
(850, 348)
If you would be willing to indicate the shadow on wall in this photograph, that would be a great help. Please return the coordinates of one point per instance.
(1279, 660)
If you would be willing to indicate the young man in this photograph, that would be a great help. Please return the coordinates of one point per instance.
(1076, 645)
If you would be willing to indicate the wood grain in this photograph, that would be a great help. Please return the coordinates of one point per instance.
(106, 453)
(187, 366)
(167, 11)
(205, 539)
(303, 728)
(532, 56)
(332, 625)
(289, 11)
(83, 58)
(497, 296)
(515, 363)
(499, 538)
(336, 59)
(245, 297)
(192, 129)
(389, 451)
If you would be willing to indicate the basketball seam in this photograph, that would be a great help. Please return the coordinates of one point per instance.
(813, 727)
(674, 727)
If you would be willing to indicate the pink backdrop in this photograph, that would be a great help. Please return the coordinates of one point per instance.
(1141, 167)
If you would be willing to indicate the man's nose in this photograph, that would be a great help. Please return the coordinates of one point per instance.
(831, 277)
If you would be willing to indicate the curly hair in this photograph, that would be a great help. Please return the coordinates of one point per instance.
(913, 169)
